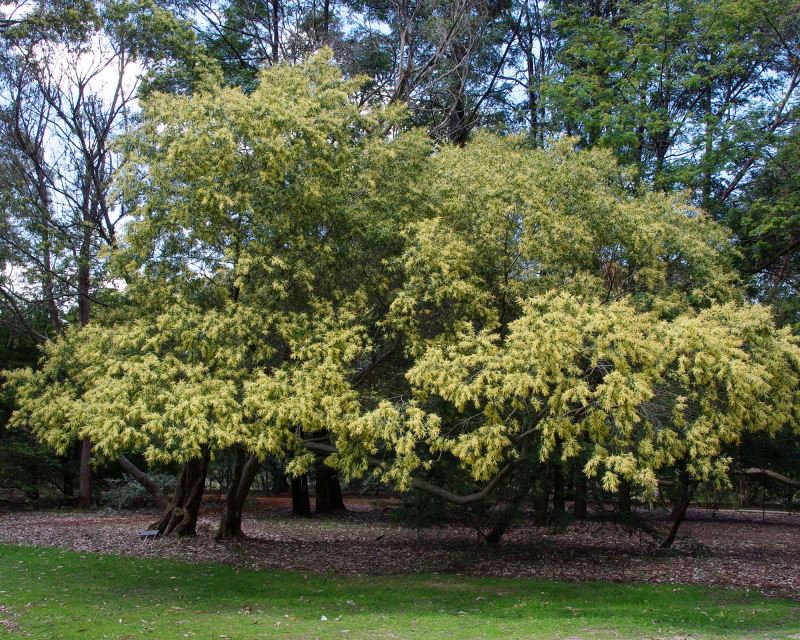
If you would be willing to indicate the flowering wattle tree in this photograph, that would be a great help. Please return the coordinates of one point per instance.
(304, 278)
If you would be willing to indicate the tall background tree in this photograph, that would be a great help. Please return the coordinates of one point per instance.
(71, 80)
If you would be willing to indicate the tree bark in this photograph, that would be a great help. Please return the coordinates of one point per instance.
(180, 516)
(245, 470)
(69, 488)
(679, 511)
(624, 498)
(326, 19)
(767, 473)
(84, 499)
(506, 517)
(142, 478)
(708, 149)
(301, 504)
(337, 500)
(276, 38)
(559, 501)
(327, 492)
(579, 506)
(541, 503)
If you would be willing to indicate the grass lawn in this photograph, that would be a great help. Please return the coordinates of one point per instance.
(52, 594)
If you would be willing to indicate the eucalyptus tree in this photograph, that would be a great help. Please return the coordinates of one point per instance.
(70, 82)
(766, 218)
(691, 92)
(446, 60)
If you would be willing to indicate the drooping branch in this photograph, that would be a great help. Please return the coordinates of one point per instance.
(433, 489)
(143, 479)
(766, 473)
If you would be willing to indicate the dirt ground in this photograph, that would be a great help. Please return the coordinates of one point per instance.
(739, 549)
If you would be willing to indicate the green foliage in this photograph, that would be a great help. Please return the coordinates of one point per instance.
(26, 465)
(126, 493)
(536, 303)
(546, 302)
(683, 91)
(247, 266)
(768, 224)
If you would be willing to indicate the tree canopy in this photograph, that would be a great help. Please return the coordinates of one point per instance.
(401, 237)
(538, 302)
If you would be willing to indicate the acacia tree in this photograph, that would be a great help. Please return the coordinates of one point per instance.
(549, 311)
(302, 279)
(255, 244)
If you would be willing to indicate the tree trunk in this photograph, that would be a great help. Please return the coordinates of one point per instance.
(69, 488)
(624, 498)
(457, 126)
(532, 95)
(245, 470)
(301, 504)
(337, 500)
(559, 501)
(709, 144)
(142, 478)
(277, 476)
(541, 503)
(579, 506)
(679, 513)
(506, 517)
(47, 279)
(276, 39)
(84, 499)
(327, 492)
(180, 516)
(326, 20)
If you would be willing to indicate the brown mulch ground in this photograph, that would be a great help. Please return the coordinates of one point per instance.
(738, 549)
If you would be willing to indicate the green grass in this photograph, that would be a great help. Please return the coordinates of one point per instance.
(52, 594)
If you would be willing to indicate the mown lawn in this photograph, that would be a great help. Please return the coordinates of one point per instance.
(51, 594)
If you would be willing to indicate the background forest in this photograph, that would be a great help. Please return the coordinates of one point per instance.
(478, 252)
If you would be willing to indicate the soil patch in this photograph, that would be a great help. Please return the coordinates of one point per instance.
(744, 550)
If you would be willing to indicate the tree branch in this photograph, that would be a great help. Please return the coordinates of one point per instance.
(143, 479)
(433, 489)
(766, 473)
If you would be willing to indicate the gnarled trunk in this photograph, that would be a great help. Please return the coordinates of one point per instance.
(506, 517)
(180, 516)
(679, 509)
(244, 472)
(301, 504)
(327, 492)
